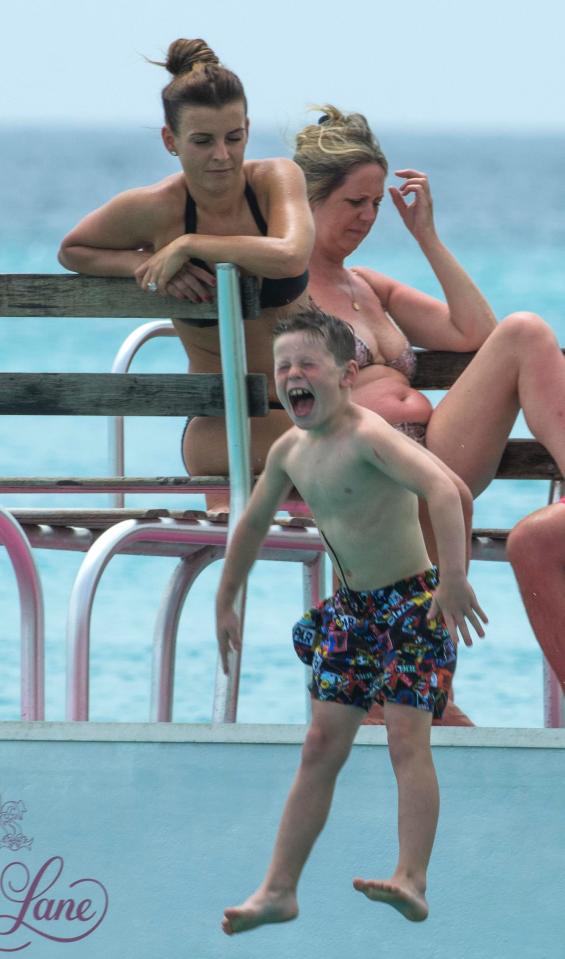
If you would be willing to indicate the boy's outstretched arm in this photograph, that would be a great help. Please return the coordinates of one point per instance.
(271, 487)
(416, 469)
(454, 596)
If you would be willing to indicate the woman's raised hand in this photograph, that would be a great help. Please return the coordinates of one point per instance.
(418, 215)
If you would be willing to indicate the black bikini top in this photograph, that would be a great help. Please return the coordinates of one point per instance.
(273, 292)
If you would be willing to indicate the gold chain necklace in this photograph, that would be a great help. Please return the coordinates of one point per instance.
(354, 302)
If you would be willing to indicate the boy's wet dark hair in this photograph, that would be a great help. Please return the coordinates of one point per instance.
(337, 335)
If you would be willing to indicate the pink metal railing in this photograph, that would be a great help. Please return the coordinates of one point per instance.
(32, 697)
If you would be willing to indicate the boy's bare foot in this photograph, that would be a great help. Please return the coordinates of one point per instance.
(411, 903)
(259, 909)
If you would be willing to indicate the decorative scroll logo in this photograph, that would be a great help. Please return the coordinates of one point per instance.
(13, 836)
(42, 903)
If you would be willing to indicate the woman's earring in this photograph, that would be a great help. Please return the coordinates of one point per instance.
(173, 153)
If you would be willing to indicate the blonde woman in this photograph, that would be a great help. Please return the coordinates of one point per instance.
(518, 362)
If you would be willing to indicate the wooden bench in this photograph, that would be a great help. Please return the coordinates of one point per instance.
(111, 394)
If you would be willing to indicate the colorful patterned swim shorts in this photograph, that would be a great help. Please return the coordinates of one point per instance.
(377, 646)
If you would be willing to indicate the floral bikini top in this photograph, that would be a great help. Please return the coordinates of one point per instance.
(405, 362)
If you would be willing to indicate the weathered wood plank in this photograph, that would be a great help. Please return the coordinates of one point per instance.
(112, 484)
(73, 295)
(523, 459)
(527, 459)
(438, 370)
(87, 518)
(500, 535)
(123, 394)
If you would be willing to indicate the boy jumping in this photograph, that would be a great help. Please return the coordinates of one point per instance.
(390, 631)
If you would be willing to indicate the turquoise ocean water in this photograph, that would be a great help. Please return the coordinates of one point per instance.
(500, 206)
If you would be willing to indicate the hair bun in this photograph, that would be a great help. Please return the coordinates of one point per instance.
(184, 55)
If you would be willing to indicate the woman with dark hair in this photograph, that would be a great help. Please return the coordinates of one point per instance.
(218, 208)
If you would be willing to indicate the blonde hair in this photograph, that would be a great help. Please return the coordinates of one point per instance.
(328, 150)
(199, 80)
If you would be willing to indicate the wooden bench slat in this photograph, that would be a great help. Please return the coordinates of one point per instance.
(522, 459)
(527, 459)
(74, 295)
(111, 484)
(123, 394)
(436, 370)
(88, 518)
(100, 519)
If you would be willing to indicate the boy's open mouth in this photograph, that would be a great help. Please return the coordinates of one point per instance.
(301, 400)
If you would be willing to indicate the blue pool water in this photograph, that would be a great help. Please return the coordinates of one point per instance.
(504, 218)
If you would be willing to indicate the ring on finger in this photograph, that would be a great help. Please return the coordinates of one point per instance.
(151, 286)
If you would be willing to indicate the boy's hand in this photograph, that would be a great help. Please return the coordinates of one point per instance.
(456, 600)
(228, 633)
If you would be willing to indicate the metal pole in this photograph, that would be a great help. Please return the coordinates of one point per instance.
(166, 630)
(122, 362)
(234, 369)
(32, 706)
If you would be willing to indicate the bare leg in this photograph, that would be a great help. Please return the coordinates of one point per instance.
(205, 449)
(418, 807)
(452, 716)
(325, 750)
(466, 505)
(519, 365)
(536, 549)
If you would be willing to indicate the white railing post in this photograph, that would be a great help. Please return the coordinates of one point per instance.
(122, 362)
(234, 370)
(17, 546)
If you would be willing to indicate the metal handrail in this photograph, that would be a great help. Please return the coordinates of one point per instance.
(122, 362)
(12, 536)
(166, 630)
(295, 545)
(234, 368)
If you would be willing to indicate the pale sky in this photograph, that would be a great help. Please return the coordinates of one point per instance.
(437, 64)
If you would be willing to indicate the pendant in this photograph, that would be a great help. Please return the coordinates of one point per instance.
(355, 305)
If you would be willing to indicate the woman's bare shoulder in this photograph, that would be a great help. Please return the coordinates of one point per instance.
(162, 197)
(382, 285)
(140, 213)
(261, 174)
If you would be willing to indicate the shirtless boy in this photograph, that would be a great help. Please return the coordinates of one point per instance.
(371, 641)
